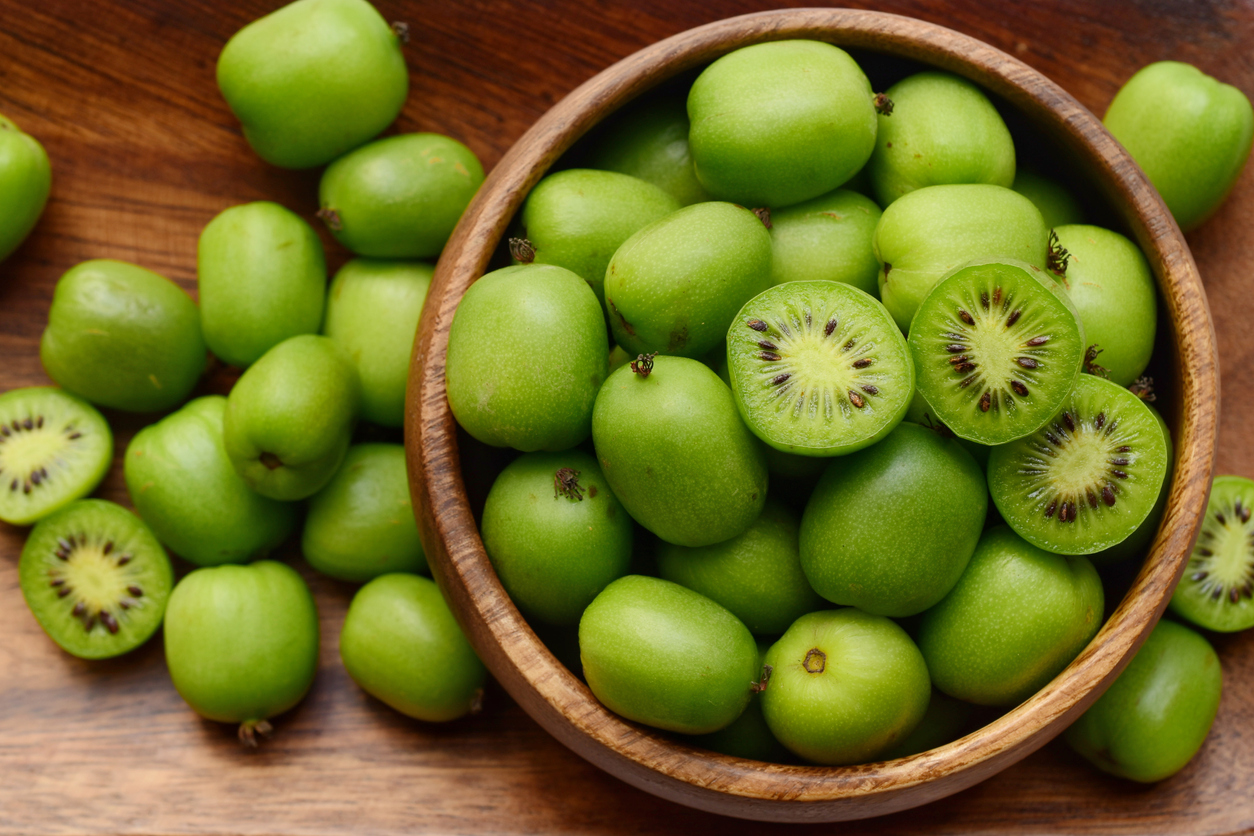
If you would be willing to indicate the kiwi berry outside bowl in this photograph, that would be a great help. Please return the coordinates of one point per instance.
(1185, 362)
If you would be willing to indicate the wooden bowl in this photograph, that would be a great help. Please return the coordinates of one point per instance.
(648, 759)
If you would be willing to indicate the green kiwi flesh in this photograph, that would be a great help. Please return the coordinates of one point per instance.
(1217, 590)
(95, 578)
(54, 448)
(818, 368)
(996, 351)
(1088, 478)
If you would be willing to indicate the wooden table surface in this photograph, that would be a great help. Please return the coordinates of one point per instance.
(145, 153)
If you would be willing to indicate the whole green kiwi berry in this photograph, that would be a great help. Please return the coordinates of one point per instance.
(123, 337)
(663, 655)
(372, 313)
(942, 129)
(183, 484)
(1056, 204)
(361, 525)
(25, 181)
(675, 452)
(401, 644)
(241, 643)
(555, 533)
(527, 352)
(399, 197)
(777, 123)
(314, 79)
(828, 238)
(1155, 717)
(262, 277)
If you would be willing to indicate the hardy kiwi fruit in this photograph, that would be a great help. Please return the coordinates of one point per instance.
(54, 448)
(996, 350)
(95, 578)
(819, 368)
(1217, 590)
(1086, 479)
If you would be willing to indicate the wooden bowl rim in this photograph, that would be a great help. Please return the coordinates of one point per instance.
(644, 757)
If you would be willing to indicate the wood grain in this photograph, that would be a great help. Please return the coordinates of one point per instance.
(145, 153)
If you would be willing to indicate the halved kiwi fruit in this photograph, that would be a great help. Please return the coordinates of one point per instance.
(1089, 477)
(819, 368)
(1217, 590)
(996, 350)
(95, 578)
(54, 448)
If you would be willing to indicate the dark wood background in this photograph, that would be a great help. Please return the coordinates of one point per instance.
(145, 153)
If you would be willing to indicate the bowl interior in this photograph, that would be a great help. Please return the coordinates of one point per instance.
(447, 486)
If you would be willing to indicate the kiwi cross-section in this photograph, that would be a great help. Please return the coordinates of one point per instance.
(1088, 478)
(1217, 590)
(54, 448)
(819, 368)
(996, 350)
(95, 578)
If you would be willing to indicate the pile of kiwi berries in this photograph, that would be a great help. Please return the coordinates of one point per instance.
(826, 411)
(307, 441)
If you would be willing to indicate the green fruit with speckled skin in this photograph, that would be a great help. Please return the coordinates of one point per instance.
(25, 180)
(826, 239)
(676, 454)
(748, 736)
(659, 654)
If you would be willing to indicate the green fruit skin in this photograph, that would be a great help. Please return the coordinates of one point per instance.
(674, 286)
(748, 736)
(527, 352)
(1191, 601)
(182, 483)
(869, 692)
(314, 79)
(400, 197)
(1015, 619)
(578, 218)
(676, 453)
(659, 654)
(262, 277)
(25, 181)
(756, 575)
(945, 721)
(1110, 282)
(1189, 133)
(361, 525)
(828, 238)
(932, 231)
(401, 644)
(1154, 718)
(942, 129)
(298, 403)
(777, 123)
(890, 529)
(554, 554)
(123, 337)
(649, 140)
(1058, 207)
(241, 642)
(373, 309)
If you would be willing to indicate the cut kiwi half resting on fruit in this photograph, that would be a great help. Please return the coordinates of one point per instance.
(54, 448)
(818, 368)
(1089, 477)
(996, 351)
(1217, 589)
(95, 578)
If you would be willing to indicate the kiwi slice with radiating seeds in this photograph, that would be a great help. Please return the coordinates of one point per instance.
(996, 350)
(819, 368)
(1217, 590)
(95, 578)
(54, 448)
(1088, 478)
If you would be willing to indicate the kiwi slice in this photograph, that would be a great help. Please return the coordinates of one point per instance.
(1089, 477)
(54, 448)
(95, 578)
(819, 368)
(1217, 590)
(996, 350)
